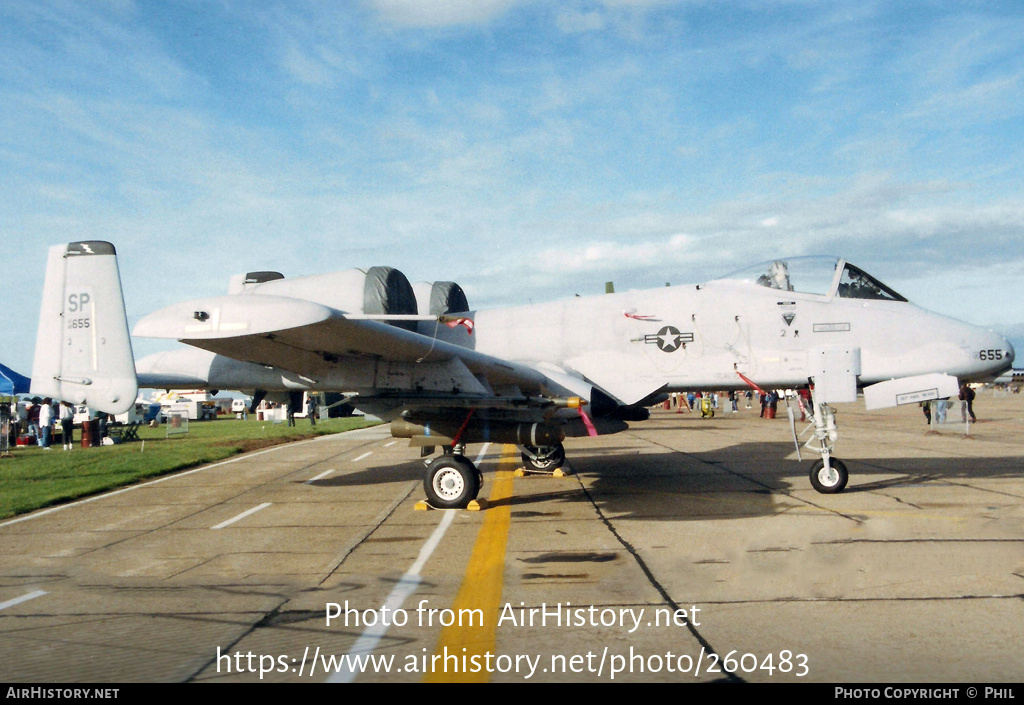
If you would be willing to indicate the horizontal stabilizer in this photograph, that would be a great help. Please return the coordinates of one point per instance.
(230, 317)
(910, 390)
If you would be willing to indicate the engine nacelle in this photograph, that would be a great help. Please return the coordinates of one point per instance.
(437, 298)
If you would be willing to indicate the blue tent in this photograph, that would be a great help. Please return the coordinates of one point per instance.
(13, 383)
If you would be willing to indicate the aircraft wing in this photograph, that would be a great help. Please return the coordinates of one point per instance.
(332, 349)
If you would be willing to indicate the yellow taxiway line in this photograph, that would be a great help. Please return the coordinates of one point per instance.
(480, 592)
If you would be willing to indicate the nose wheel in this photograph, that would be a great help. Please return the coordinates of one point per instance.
(829, 479)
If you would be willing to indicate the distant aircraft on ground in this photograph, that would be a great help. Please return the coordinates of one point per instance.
(447, 376)
(1010, 376)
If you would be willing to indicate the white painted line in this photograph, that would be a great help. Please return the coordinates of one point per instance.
(322, 475)
(389, 444)
(381, 430)
(405, 587)
(24, 598)
(243, 515)
(364, 455)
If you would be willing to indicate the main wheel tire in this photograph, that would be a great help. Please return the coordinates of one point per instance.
(548, 458)
(829, 483)
(451, 482)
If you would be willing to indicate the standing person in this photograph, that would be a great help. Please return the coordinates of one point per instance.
(967, 395)
(104, 420)
(67, 425)
(32, 417)
(803, 397)
(5, 428)
(46, 422)
(311, 409)
(19, 416)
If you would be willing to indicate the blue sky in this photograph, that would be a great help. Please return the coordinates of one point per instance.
(528, 150)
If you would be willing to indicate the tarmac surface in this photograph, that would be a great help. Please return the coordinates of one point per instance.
(684, 549)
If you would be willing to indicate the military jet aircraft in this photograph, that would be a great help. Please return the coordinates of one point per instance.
(445, 375)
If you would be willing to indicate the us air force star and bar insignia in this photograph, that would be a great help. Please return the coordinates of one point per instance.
(669, 339)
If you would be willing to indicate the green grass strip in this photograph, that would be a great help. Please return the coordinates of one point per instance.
(32, 478)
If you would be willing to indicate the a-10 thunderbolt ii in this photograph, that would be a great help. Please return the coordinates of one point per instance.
(447, 376)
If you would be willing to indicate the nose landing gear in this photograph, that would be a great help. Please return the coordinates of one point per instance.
(828, 475)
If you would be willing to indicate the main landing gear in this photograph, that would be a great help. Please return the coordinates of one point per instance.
(452, 481)
(544, 459)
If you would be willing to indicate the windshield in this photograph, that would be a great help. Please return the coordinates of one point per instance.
(814, 275)
(858, 284)
(807, 275)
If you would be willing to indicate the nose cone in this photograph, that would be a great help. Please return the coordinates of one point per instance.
(992, 354)
(1008, 355)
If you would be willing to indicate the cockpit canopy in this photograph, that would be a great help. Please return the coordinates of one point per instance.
(824, 276)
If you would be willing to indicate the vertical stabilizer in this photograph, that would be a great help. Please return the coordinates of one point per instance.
(83, 351)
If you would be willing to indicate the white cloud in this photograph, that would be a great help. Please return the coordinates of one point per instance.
(441, 13)
(573, 22)
(306, 68)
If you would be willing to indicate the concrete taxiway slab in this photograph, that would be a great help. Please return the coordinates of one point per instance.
(685, 550)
